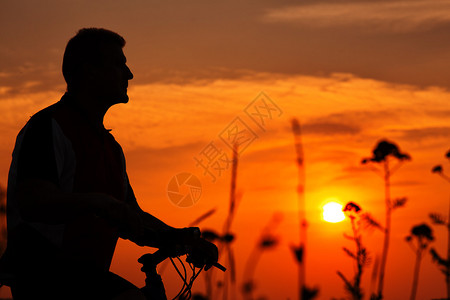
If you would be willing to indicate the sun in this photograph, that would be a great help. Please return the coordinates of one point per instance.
(332, 212)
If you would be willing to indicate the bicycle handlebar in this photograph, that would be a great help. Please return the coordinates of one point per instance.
(151, 260)
(175, 243)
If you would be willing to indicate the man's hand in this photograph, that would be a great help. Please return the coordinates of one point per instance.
(180, 241)
(173, 241)
(203, 253)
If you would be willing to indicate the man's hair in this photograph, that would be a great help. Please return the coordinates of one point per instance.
(86, 47)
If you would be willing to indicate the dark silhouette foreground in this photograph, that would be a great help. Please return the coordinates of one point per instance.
(69, 198)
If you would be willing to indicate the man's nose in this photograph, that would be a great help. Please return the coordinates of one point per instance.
(129, 74)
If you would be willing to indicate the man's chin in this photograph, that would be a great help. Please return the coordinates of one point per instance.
(122, 99)
(125, 99)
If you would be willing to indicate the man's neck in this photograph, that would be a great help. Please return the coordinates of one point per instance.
(92, 106)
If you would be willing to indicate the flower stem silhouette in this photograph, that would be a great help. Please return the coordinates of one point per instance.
(225, 240)
(266, 241)
(353, 212)
(382, 154)
(228, 237)
(437, 219)
(300, 251)
(423, 235)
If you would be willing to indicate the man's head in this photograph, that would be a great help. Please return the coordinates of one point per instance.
(94, 62)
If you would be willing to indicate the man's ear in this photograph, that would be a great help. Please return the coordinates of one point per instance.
(89, 71)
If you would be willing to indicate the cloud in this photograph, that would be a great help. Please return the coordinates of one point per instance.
(400, 16)
(345, 108)
(420, 134)
(330, 128)
(439, 113)
(352, 122)
(30, 78)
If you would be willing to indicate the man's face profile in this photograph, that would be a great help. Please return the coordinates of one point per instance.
(109, 78)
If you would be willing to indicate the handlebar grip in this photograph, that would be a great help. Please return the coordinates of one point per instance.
(219, 266)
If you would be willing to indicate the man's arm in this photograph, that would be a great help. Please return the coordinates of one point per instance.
(160, 235)
(155, 231)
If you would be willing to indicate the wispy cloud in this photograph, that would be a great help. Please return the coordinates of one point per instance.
(400, 16)
(29, 78)
(330, 128)
(419, 134)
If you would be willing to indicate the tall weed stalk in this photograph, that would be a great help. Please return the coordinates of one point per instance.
(305, 293)
(422, 235)
(437, 219)
(360, 255)
(383, 154)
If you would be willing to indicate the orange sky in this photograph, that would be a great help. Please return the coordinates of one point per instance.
(352, 73)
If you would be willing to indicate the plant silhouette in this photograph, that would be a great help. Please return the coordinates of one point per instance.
(361, 256)
(225, 239)
(266, 241)
(299, 251)
(203, 217)
(438, 219)
(422, 234)
(229, 237)
(383, 154)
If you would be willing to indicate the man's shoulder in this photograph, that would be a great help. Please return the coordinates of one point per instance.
(44, 115)
(60, 112)
(40, 120)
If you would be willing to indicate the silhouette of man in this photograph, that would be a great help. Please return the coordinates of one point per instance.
(69, 198)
